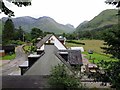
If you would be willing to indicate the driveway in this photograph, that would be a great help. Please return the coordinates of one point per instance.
(13, 65)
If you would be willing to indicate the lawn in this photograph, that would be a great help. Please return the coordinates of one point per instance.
(96, 57)
(8, 57)
(89, 44)
(94, 45)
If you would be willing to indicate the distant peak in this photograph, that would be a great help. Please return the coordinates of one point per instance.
(69, 25)
(47, 17)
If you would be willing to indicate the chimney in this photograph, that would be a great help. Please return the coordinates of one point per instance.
(62, 39)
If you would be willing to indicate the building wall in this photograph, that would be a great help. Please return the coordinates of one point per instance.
(2, 53)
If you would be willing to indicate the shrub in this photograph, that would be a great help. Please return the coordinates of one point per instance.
(60, 78)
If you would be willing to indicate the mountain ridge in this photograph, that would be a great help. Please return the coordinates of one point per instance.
(44, 23)
(106, 17)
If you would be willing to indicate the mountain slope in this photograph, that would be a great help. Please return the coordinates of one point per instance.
(44, 23)
(106, 17)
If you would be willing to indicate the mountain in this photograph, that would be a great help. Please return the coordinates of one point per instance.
(105, 18)
(44, 23)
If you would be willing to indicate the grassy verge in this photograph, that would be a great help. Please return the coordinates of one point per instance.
(8, 57)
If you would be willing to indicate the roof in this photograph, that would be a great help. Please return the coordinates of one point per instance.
(67, 64)
(74, 56)
(33, 55)
(77, 48)
(25, 64)
(45, 63)
(40, 43)
(47, 37)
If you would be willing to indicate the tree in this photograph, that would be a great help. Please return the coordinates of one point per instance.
(19, 3)
(8, 31)
(27, 36)
(114, 2)
(19, 34)
(60, 78)
(111, 73)
(112, 40)
(112, 36)
(36, 32)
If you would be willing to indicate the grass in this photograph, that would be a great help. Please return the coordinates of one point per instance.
(27, 48)
(89, 45)
(94, 45)
(8, 57)
(96, 57)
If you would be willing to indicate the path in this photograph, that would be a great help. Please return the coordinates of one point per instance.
(13, 65)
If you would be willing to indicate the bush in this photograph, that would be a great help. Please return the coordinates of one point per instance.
(60, 78)
(17, 42)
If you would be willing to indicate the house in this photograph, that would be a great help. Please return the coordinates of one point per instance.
(2, 53)
(47, 61)
(51, 53)
(8, 48)
(53, 39)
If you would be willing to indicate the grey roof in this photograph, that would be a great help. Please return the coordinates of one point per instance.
(67, 64)
(50, 59)
(40, 43)
(74, 56)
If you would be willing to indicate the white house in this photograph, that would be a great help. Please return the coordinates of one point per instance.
(50, 38)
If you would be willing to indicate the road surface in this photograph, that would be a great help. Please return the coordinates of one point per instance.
(13, 65)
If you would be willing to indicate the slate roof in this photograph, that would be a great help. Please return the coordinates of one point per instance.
(74, 56)
(43, 65)
(62, 59)
(40, 43)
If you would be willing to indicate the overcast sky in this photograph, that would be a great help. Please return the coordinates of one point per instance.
(63, 11)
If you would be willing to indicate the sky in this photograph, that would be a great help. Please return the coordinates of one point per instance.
(62, 11)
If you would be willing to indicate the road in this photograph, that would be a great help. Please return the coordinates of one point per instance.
(13, 65)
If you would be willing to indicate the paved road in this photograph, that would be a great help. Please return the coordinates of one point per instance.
(13, 65)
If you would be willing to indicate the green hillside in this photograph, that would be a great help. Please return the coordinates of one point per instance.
(44, 23)
(105, 18)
